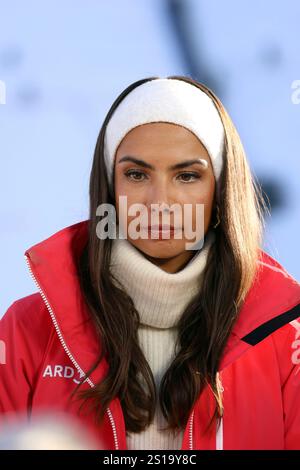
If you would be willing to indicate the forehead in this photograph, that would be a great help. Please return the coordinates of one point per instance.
(161, 139)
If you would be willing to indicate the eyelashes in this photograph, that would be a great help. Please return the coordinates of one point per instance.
(189, 174)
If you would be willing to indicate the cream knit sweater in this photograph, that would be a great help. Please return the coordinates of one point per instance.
(160, 298)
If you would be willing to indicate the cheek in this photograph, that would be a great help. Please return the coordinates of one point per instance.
(205, 196)
(124, 187)
(126, 191)
(128, 200)
(202, 193)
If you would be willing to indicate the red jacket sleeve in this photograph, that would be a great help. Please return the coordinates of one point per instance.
(24, 333)
(288, 354)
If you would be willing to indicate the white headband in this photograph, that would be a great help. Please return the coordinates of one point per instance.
(166, 100)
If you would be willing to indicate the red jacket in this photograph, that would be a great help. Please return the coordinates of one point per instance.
(50, 343)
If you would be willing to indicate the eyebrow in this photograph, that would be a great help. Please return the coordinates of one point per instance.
(137, 161)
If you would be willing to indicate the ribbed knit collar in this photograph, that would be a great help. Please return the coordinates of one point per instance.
(159, 297)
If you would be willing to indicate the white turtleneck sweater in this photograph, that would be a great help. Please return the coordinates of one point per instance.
(160, 298)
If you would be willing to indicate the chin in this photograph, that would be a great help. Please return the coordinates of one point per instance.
(159, 248)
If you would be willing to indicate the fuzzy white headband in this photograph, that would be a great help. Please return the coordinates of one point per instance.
(166, 100)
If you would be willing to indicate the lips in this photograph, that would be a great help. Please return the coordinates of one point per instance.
(160, 227)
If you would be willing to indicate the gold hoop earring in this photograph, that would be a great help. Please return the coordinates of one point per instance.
(218, 217)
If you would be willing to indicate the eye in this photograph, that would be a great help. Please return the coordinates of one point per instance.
(194, 175)
(129, 174)
(137, 176)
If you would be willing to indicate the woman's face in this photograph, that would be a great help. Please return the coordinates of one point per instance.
(159, 147)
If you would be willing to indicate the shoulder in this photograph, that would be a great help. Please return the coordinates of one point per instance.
(275, 294)
(269, 267)
(283, 291)
(27, 309)
(286, 341)
(25, 336)
(272, 310)
(27, 322)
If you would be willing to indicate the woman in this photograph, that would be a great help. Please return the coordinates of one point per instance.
(155, 342)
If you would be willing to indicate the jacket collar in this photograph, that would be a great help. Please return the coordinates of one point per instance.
(53, 265)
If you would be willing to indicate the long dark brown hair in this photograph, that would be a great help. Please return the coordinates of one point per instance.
(207, 321)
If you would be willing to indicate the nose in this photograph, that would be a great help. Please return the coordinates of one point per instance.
(159, 195)
(160, 200)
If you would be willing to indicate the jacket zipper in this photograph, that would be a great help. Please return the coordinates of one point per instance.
(73, 360)
(219, 434)
(191, 432)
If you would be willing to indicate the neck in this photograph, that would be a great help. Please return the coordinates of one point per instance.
(174, 264)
